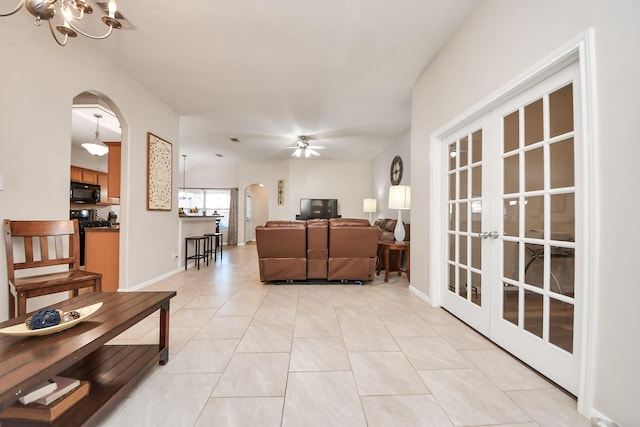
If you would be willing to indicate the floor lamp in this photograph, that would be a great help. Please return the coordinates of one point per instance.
(369, 205)
(399, 198)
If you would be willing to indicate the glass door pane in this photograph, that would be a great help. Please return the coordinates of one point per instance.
(538, 199)
(464, 206)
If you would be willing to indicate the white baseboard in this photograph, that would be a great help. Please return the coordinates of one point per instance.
(420, 294)
(597, 414)
(152, 281)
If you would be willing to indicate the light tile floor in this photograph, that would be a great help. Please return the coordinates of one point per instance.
(244, 353)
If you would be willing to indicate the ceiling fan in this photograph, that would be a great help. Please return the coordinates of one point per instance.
(303, 149)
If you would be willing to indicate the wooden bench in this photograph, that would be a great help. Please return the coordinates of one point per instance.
(32, 245)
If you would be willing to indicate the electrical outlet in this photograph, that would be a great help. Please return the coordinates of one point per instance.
(1, 182)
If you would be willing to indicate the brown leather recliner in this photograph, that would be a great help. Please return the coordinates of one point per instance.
(353, 246)
(282, 250)
(317, 248)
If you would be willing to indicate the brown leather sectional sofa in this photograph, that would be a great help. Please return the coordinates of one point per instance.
(339, 249)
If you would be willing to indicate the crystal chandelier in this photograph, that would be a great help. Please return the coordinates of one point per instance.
(97, 147)
(70, 12)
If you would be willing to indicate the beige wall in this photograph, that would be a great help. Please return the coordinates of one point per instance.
(40, 80)
(501, 40)
(381, 179)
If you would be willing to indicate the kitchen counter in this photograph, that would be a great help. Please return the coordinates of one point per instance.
(112, 228)
(196, 226)
(102, 255)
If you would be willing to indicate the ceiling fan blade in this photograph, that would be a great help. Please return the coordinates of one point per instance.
(314, 152)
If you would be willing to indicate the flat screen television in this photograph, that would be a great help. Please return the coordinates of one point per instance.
(318, 208)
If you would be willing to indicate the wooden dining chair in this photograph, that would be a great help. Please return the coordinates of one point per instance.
(31, 245)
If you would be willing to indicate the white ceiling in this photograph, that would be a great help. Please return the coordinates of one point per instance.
(340, 71)
(83, 124)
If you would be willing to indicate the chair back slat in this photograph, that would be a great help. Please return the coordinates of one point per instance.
(60, 248)
(28, 249)
(44, 248)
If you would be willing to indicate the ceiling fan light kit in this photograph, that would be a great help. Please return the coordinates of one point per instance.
(304, 149)
(70, 12)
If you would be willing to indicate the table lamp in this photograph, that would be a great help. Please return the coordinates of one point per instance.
(369, 205)
(399, 198)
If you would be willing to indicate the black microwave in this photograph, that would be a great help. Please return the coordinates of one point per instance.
(84, 193)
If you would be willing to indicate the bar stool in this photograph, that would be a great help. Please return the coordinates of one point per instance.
(201, 245)
(213, 248)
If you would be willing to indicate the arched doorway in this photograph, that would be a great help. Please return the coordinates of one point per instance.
(256, 206)
(93, 113)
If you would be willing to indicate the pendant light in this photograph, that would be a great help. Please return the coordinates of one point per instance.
(97, 147)
(184, 171)
(183, 195)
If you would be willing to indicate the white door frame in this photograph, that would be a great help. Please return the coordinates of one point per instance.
(581, 50)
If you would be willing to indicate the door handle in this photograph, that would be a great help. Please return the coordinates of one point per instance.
(489, 234)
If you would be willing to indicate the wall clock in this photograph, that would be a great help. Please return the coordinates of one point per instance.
(396, 170)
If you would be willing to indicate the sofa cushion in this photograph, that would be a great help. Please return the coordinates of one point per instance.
(353, 244)
(283, 269)
(351, 268)
(317, 248)
(285, 224)
(282, 250)
(349, 222)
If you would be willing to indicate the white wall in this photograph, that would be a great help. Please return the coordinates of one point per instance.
(40, 80)
(381, 176)
(199, 176)
(501, 40)
(349, 182)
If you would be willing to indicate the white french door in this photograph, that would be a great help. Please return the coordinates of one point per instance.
(512, 234)
(468, 213)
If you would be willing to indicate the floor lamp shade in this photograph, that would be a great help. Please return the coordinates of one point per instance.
(369, 205)
(399, 198)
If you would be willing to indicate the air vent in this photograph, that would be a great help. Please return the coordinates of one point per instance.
(219, 155)
(234, 139)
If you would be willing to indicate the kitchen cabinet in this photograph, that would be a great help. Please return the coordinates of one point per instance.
(102, 255)
(76, 174)
(113, 169)
(88, 176)
(103, 182)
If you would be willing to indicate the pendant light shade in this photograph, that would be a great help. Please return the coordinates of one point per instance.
(97, 147)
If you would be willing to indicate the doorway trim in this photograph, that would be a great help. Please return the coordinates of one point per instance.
(580, 50)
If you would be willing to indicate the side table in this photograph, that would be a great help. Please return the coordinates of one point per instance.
(393, 246)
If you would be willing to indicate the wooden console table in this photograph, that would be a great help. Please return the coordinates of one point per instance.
(80, 352)
(400, 247)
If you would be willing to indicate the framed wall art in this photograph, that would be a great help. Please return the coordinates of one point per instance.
(280, 192)
(159, 173)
